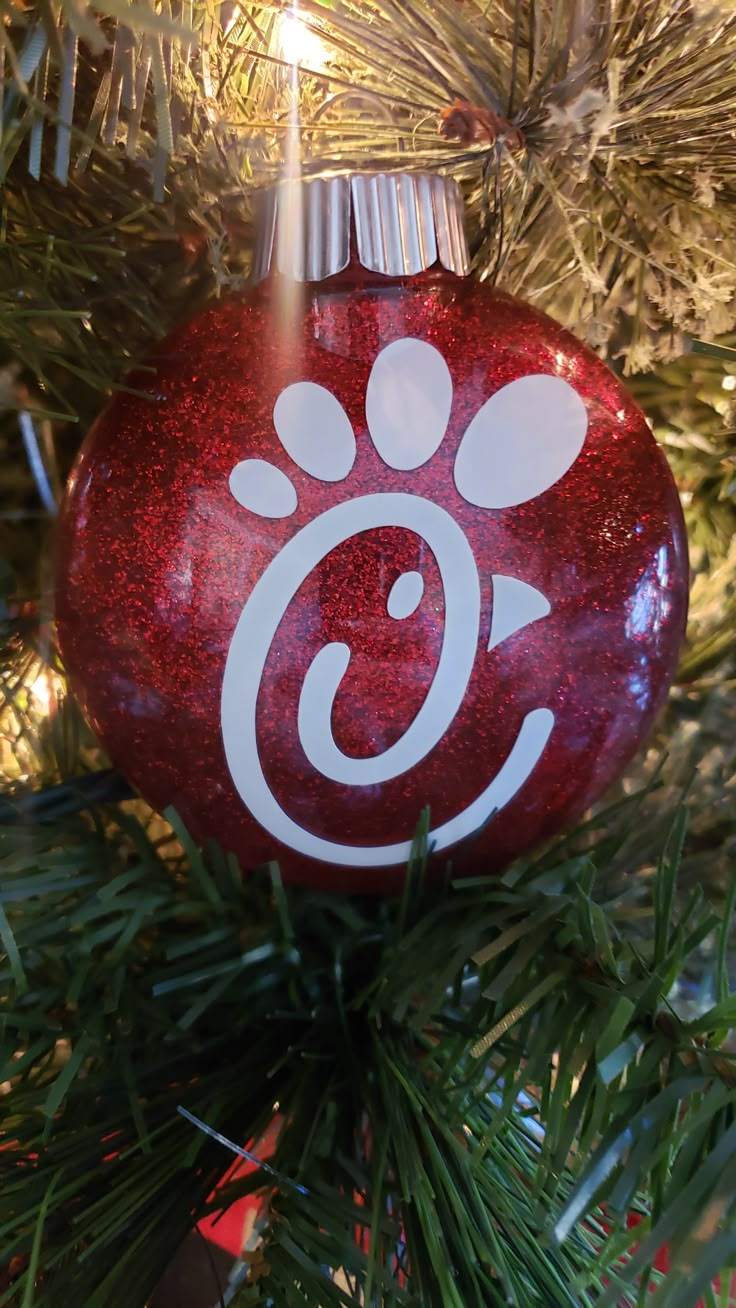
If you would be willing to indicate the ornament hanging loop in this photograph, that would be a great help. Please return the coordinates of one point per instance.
(352, 97)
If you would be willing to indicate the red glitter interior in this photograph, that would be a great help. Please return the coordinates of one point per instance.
(157, 560)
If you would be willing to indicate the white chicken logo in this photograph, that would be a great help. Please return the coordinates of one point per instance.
(520, 442)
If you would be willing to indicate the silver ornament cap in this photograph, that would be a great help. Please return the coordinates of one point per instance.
(397, 224)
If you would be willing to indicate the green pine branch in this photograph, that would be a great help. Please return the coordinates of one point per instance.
(607, 216)
(141, 976)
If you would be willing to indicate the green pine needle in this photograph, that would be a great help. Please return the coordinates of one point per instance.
(476, 1180)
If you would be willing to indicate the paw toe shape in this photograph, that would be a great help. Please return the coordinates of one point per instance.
(314, 430)
(520, 442)
(407, 403)
(262, 488)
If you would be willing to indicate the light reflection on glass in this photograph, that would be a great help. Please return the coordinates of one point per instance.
(647, 612)
(651, 604)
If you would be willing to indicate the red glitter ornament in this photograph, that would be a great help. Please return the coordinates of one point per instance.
(373, 543)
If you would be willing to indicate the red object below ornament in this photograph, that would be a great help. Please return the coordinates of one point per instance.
(372, 546)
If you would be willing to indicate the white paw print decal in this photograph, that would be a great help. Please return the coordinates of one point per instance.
(520, 442)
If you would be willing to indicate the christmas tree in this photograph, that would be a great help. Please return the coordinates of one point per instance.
(511, 1088)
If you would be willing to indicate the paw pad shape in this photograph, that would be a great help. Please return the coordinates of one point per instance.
(520, 442)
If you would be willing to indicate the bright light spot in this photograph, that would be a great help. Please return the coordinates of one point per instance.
(30, 700)
(729, 382)
(299, 44)
(41, 691)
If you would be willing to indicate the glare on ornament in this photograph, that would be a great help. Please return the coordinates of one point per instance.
(300, 44)
(729, 382)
